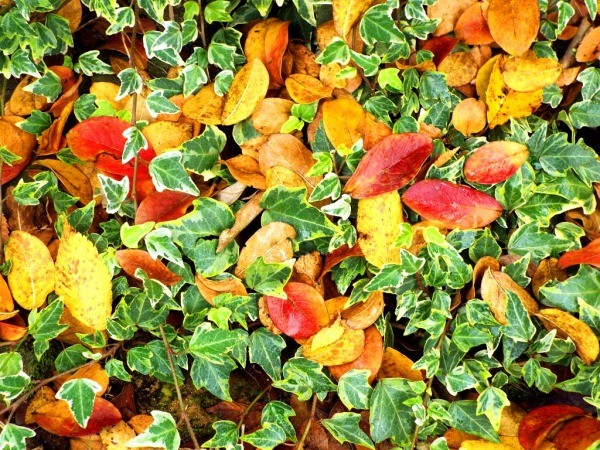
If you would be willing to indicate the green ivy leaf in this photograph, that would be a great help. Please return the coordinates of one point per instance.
(168, 173)
(44, 326)
(464, 417)
(161, 433)
(265, 350)
(344, 428)
(89, 64)
(14, 437)
(269, 278)
(226, 435)
(354, 389)
(80, 394)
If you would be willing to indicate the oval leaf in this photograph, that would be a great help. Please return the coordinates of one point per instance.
(247, 89)
(514, 24)
(132, 259)
(536, 425)
(590, 254)
(495, 162)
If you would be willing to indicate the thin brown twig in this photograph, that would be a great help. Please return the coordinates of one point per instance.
(186, 419)
(252, 403)
(313, 409)
(202, 24)
(134, 100)
(569, 57)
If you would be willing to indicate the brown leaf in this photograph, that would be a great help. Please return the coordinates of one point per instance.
(514, 24)
(74, 180)
(362, 315)
(246, 170)
(448, 11)
(578, 434)
(494, 285)
(52, 140)
(536, 425)
(589, 222)
(304, 89)
(271, 242)
(487, 262)
(23, 103)
(589, 47)
(378, 220)
(225, 284)
(270, 115)
(248, 88)
(546, 271)
(132, 259)
(469, 116)
(460, 68)
(586, 342)
(243, 217)
(163, 206)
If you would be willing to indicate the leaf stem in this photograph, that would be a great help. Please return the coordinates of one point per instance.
(3, 95)
(569, 57)
(313, 409)
(202, 24)
(1, 211)
(252, 403)
(134, 100)
(177, 389)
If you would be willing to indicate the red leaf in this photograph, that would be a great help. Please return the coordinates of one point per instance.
(390, 164)
(302, 314)
(131, 260)
(454, 205)
(163, 206)
(440, 46)
(9, 172)
(98, 135)
(495, 162)
(536, 425)
(56, 418)
(590, 254)
(337, 256)
(579, 434)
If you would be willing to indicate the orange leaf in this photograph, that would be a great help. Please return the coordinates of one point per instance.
(163, 206)
(590, 254)
(370, 359)
(391, 164)
(12, 329)
(579, 434)
(246, 170)
(448, 11)
(267, 40)
(305, 89)
(132, 259)
(440, 46)
(338, 255)
(454, 205)
(495, 162)
(302, 314)
(56, 418)
(536, 425)
(589, 48)
(514, 24)
(469, 116)
(471, 27)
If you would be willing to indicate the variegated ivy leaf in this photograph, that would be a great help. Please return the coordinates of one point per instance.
(161, 433)
(157, 104)
(344, 428)
(14, 437)
(269, 278)
(226, 435)
(115, 192)
(48, 85)
(167, 172)
(354, 389)
(80, 394)
(89, 64)
(131, 82)
(13, 380)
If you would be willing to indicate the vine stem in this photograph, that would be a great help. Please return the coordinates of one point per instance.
(427, 395)
(3, 94)
(202, 24)
(252, 403)
(313, 409)
(1, 213)
(186, 419)
(17, 403)
(134, 100)
(569, 57)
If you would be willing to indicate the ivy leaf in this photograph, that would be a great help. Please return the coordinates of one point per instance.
(464, 417)
(491, 402)
(268, 437)
(13, 380)
(519, 326)
(265, 350)
(48, 85)
(80, 394)
(269, 278)
(226, 435)
(344, 428)
(161, 433)
(585, 284)
(279, 413)
(131, 82)
(212, 344)
(44, 326)
(303, 377)
(36, 123)
(539, 244)
(89, 64)
(354, 389)
(213, 376)
(167, 172)
(13, 437)
(541, 377)
(157, 103)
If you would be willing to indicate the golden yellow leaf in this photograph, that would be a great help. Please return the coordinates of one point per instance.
(334, 345)
(460, 68)
(83, 280)
(7, 305)
(72, 11)
(31, 278)
(243, 217)
(347, 128)
(248, 88)
(378, 222)
(469, 116)
(364, 314)
(494, 285)
(270, 115)
(448, 11)
(484, 445)
(510, 420)
(41, 397)
(211, 288)
(165, 135)
(305, 89)
(482, 80)
(514, 24)
(546, 271)
(526, 74)
(346, 13)
(116, 436)
(398, 365)
(278, 175)
(505, 103)
(22, 102)
(205, 107)
(104, 90)
(566, 325)
(272, 242)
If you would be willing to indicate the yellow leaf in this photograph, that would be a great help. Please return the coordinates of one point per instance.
(247, 89)
(580, 333)
(346, 13)
(334, 345)
(529, 74)
(205, 107)
(31, 278)
(378, 224)
(83, 280)
(344, 121)
(505, 103)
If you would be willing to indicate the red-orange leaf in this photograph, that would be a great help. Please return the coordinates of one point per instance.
(536, 425)
(56, 418)
(579, 434)
(495, 162)
(590, 254)
(440, 46)
(391, 164)
(302, 314)
(163, 206)
(454, 205)
(338, 255)
(132, 259)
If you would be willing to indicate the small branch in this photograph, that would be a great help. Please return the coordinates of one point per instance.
(569, 57)
(252, 403)
(1, 210)
(202, 25)
(3, 95)
(176, 382)
(313, 409)
(134, 100)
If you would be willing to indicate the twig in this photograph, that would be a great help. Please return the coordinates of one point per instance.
(202, 24)
(134, 99)
(569, 57)
(3, 95)
(177, 389)
(17, 403)
(1, 213)
(252, 403)
(313, 409)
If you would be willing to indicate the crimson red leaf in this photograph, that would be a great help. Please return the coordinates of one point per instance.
(454, 205)
(590, 254)
(495, 162)
(390, 164)
(440, 46)
(132, 259)
(56, 418)
(302, 314)
(163, 206)
(579, 434)
(536, 425)
(9, 172)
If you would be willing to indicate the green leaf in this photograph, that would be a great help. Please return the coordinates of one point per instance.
(354, 389)
(519, 326)
(161, 433)
(268, 278)
(14, 437)
(70, 358)
(337, 51)
(131, 82)
(168, 173)
(44, 326)
(216, 11)
(80, 394)
(135, 143)
(282, 204)
(115, 192)
(214, 377)
(531, 239)
(89, 64)
(585, 114)
(212, 344)
(391, 412)
(267, 437)
(36, 123)
(13, 380)
(585, 285)
(302, 377)
(534, 374)
(157, 103)
(48, 85)
(465, 418)
(377, 25)
(344, 428)
(491, 402)
(116, 369)
(226, 435)
(265, 350)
